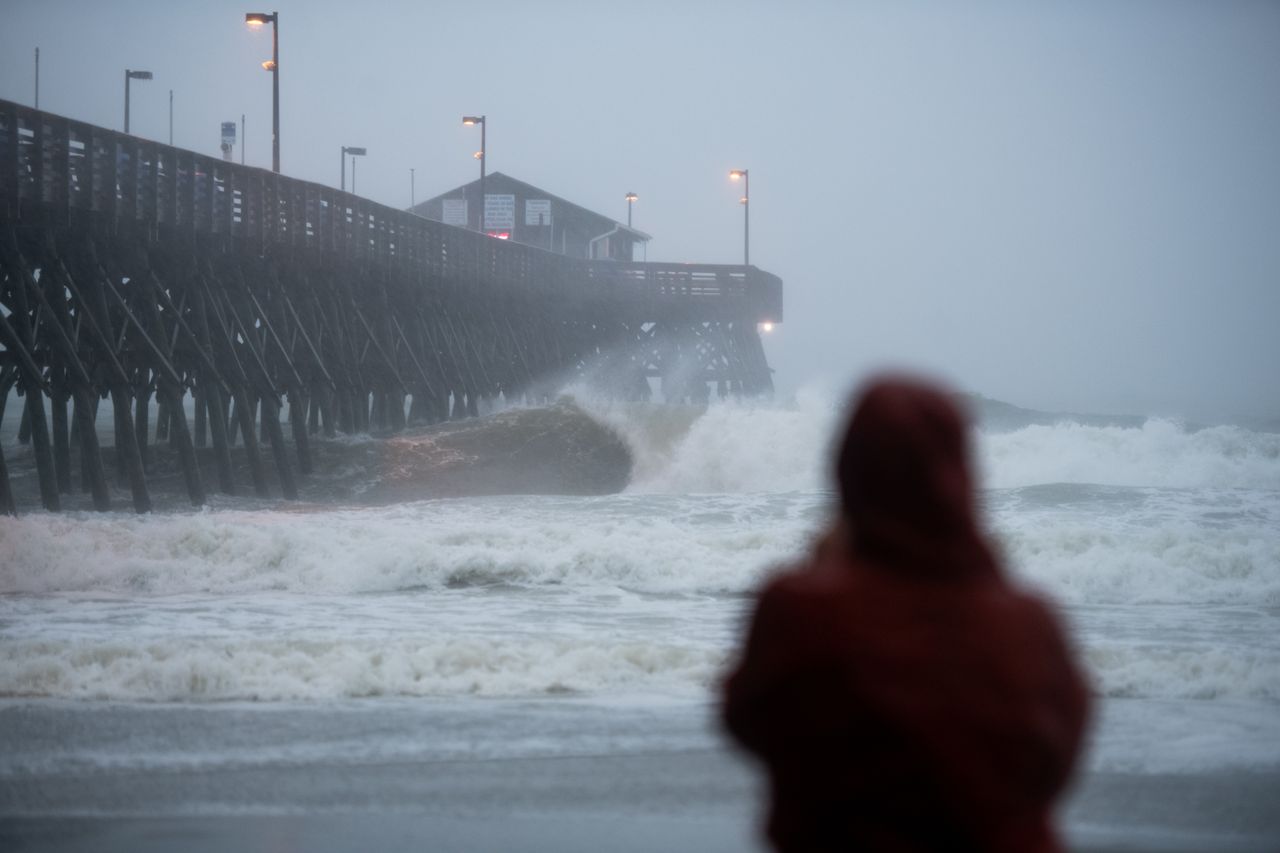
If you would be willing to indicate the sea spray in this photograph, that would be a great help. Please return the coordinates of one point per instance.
(1158, 453)
(757, 446)
(731, 446)
(659, 545)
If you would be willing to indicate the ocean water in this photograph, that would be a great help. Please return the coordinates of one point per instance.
(237, 659)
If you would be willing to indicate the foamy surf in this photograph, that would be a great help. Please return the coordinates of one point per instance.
(1093, 547)
(193, 669)
(668, 546)
(1162, 542)
(1159, 453)
(325, 654)
(743, 447)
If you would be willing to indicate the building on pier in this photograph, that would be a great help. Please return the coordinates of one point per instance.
(523, 213)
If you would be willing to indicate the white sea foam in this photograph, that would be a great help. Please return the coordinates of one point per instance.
(731, 447)
(315, 667)
(1102, 560)
(1168, 671)
(1097, 550)
(666, 545)
(736, 447)
(1160, 453)
(273, 665)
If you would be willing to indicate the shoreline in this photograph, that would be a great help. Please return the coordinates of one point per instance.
(692, 799)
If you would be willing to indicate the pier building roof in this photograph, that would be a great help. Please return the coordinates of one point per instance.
(518, 211)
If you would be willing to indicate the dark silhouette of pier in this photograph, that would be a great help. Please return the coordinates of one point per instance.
(159, 280)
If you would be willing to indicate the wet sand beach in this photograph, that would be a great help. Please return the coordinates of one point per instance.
(695, 794)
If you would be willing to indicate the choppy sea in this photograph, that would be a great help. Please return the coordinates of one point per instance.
(245, 637)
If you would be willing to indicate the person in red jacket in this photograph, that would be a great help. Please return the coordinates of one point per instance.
(901, 692)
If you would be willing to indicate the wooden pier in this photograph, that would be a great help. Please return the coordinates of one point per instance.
(157, 281)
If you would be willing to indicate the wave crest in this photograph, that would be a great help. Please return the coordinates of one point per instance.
(749, 447)
(1159, 453)
(289, 668)
(647, 545)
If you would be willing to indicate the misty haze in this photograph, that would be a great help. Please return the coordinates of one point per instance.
(420, 500)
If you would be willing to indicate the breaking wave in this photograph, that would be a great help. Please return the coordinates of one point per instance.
(633, 542)
(287, 668)
(736, 447)
(690, 545)
(1143, 546)
(1158, 453)
(1138, 672)
(283, 666)
(730, 447)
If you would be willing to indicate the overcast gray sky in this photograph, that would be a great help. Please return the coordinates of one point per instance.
(1068, 205)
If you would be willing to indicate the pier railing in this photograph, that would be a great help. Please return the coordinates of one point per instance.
(64, 171)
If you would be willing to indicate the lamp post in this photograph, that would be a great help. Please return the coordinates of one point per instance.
(171, 117)
(480, 155)
(412, 200)
(255, 20)
(745, 177)
(354, 152)
(631, 200)
(131, 75)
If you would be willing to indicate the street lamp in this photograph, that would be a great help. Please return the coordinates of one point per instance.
(744, 176)
(631, 200)
(412, 199)
(354, 152)
(255, 20)
(131, 75)
(471, 121)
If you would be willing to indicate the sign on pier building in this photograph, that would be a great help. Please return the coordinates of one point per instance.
(517, 211)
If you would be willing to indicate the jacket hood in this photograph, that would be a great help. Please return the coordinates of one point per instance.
(905, 483)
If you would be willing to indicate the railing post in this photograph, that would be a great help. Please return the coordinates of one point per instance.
(74, 171)
(152, 208)
(111, 176)
(39, 194)
(61, 160)
(129, 179)
(220, 223)
(9, 154)
(205, 166)
(92, 170)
